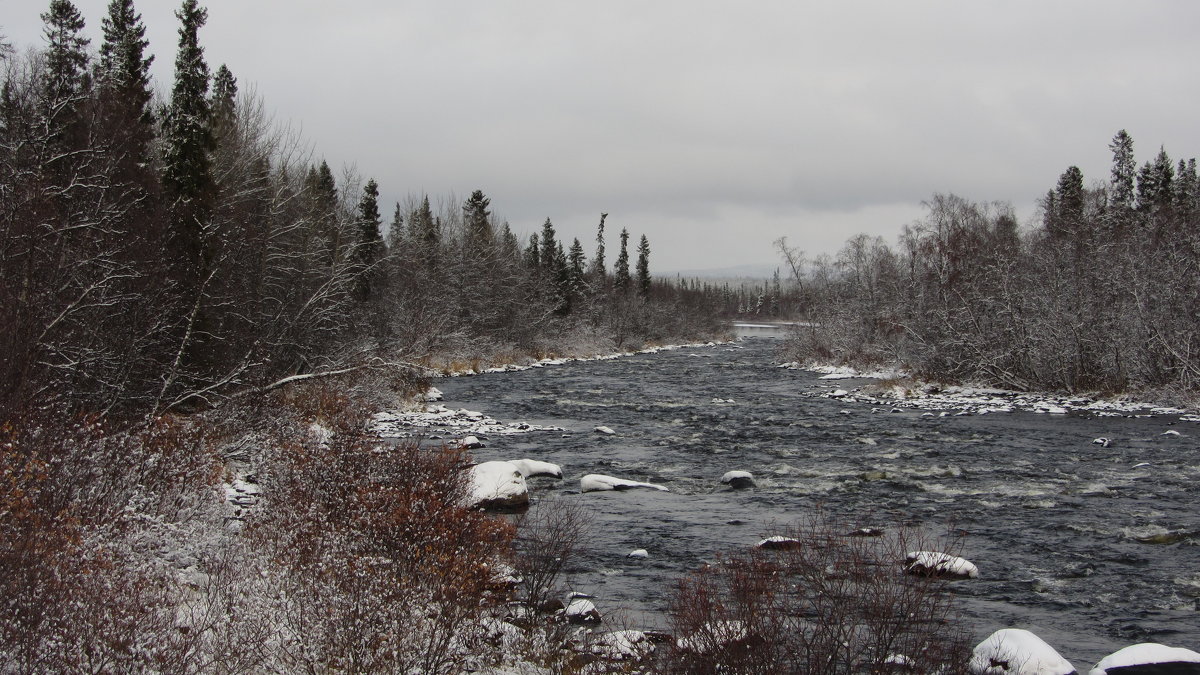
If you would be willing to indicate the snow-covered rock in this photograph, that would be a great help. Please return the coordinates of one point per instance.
(1149, 658)
(471, 443)
(621, 645)
(498, 485)
(1102, 441)
(604, 430)
(533, 467)
(432, 394)
(738, 479)
(582, 610)
(638, 554)
(242, 494)
(933, 563)
(594, 482)
(714, 635)
(1014, 651)
(778, 543)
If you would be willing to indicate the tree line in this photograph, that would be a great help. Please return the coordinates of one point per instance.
(161, 254)
(1103, 294)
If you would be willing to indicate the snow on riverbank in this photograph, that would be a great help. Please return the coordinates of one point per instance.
(897, 389)
(438, 421)
(542, 363)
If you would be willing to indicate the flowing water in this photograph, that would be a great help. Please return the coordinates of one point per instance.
(1058, 526)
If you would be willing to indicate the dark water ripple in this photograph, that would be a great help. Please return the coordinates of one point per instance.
(1053, 521)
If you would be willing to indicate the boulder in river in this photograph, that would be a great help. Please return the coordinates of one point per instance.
(941, 565)
(1149, 658)
(594, 482)
(607, 431)
(582, 610)
(738, 480)
(1015, 651)
(638, 554)
(533, 467)
(471, 443)
(778, 543)
(498, 486)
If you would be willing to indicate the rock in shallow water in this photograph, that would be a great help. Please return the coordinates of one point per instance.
(942, 565)
(1149, 658)
(498, 486)
(738, 480)
(595, 482)
(1014, 651)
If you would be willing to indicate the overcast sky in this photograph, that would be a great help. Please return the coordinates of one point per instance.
(712, 127)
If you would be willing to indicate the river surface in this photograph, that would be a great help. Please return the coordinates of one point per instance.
(1052, 520)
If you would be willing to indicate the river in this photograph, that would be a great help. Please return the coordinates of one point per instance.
(1054, 522)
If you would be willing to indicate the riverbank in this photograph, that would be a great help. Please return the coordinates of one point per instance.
(895, 387)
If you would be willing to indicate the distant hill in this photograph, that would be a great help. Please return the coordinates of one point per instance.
(761, 271)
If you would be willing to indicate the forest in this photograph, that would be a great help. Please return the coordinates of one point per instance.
(1102, 295)
(167, 251)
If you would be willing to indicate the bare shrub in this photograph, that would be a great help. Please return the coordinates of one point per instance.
(382, 568)
(834, 604)
(78, 504)
(549, 536)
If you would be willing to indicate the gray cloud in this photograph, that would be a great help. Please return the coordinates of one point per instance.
(714, 127)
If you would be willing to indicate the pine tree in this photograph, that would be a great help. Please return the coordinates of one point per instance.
(643, 267)
(621, 278)
(187, 176)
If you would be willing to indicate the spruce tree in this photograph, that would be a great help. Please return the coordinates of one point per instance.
(124, 68)
(65, 81)
(396, 230)
(224, 101)
(369, 247)
(424, 236)
(599, 269)
(66, 55)
(549, 246)
(533, 257)
(123, 76)
(477, 220)
(621, 278)
(187, 177)
(575, 266)
(643, 267)
(1066, 220)
(1124, 171)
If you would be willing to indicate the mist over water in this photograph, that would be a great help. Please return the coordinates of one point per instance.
(1058, 526)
